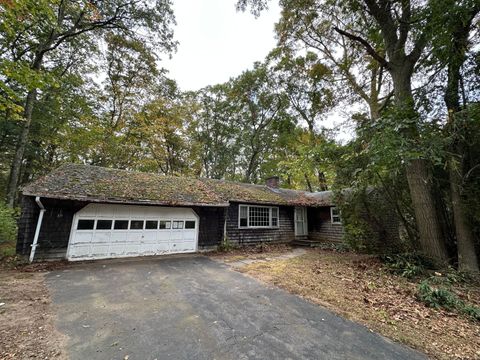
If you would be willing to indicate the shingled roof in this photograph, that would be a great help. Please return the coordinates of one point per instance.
(99, 184)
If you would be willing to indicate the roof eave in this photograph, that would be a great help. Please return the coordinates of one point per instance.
(122, 201)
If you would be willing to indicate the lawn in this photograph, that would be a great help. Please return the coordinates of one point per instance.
(362, 289)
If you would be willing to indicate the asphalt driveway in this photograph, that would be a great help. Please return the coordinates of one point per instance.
(196, 308)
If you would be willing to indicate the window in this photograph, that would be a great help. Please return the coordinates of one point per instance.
(189, 224)
(335, 215)
(165, 224)
(104, 225)
(243, 216)
(253, 216)
(177, 225)
(151, 225)
(120, 225)
(274, 216)
(85, 224)
(136, 224)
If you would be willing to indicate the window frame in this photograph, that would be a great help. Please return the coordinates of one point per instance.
(270, 211)
(86, 219)
(332, 216)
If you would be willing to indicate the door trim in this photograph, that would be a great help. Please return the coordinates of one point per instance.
(303, 211)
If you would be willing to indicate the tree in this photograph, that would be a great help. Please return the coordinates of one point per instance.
(215, 131)
(35, 29)
(396, 35)
(451, 47)
(259, 112)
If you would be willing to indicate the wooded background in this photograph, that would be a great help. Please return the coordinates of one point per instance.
(81, 81)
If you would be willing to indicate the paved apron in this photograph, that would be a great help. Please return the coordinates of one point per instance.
(195, 308)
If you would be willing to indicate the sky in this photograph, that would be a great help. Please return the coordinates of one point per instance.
(217, 42)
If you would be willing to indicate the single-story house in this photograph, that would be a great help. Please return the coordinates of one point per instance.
(81, 212)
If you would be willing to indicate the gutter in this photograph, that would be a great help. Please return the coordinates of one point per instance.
(37, 230)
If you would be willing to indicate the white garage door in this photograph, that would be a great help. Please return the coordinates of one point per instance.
(102, 231)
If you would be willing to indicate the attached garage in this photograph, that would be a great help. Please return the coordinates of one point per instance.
(82, 212)
(102, 231)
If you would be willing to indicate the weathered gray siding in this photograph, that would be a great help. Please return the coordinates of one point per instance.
(211, 226)
(284, 233)
(26, 224)
(57, 222)
(320, 227)
(55, 229)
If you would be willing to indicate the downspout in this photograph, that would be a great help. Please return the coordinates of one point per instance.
(37, 230)
(225, 226)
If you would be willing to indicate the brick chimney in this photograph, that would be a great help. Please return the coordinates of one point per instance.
(273, 182)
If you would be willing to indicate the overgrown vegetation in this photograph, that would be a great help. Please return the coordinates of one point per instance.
(404, 74)
(8, 230)
(408, 265)
(442, 297)
(433, 290)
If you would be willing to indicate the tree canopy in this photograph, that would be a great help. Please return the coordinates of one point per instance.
(82, 82)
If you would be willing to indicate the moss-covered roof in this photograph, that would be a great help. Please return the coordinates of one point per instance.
(99, 184)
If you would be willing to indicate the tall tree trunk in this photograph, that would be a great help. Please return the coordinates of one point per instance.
(420, 184)
(418, 172)
(23, 140)
(467, 257)
(309, 184)
(20, 151)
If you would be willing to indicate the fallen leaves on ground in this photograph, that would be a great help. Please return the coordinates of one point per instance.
(359, 288)
(27, 328)
(261, 251)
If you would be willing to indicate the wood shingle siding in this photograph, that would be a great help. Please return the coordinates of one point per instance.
(320, 227)
(284, 233)
(26, 224)
(55, 229)
(211, 226)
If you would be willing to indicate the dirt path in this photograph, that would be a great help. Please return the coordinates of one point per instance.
(27, 328)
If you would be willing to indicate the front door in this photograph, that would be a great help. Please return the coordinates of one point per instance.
(301, 225)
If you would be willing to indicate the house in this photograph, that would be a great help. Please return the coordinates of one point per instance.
(81, 212)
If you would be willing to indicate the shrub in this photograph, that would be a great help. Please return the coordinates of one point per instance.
(226, 245)
(8, 224)
(409, 265)
(358, 236)
(444, 298)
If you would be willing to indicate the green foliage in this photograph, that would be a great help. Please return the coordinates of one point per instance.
(408, 265)
(8, 224)
(358, 235)
(226, 245)
(337, 247)
(444, 298)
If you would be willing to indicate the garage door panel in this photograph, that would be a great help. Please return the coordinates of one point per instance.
(81, 251)
(119, 237)
(128, 230)
(82, 237)
(117, 249)
(176, 235)
(100, 250)
(102, 236)
(189, 235)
